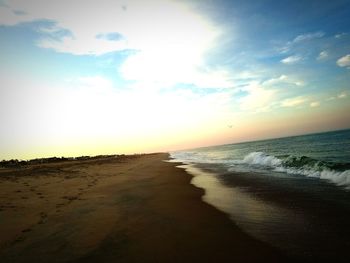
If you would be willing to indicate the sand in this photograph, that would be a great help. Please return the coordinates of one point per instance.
(121, 209)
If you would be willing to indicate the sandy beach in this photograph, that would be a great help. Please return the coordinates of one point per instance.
(118, 209)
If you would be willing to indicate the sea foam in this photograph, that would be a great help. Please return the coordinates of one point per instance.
(260, 158)
(299, 166)
(262, 162)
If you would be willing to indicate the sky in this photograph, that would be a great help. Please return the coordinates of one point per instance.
(84, 77)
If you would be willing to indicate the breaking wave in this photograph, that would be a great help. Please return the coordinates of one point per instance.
(337, 173)
(301, 166)
(260, 158)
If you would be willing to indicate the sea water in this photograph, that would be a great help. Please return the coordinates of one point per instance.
(293, 193)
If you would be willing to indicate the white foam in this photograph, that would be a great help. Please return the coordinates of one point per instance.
(336, 177)
(260, 158)
(196, 157)
(265, 161)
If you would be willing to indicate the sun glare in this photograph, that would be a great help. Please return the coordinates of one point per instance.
(171, 45)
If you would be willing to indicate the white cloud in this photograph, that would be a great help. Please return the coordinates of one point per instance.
(322, 55)
(273, 81)
(308, 36)
(9, 17)
(263, 97)
(258, 98)
(283, 79)
(248, 74)
(340, 35)
(169, 39)
(83, 19)
(288, 46)
(292, 102)
(97, 84)
(144, 24)
(291, 60)
(330, 98)
(314, 104)
(342, 95)
(285, 49)
(344, 61)
(69, 44)
(169, 68)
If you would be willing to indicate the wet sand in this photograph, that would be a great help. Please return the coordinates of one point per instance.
(120, 209)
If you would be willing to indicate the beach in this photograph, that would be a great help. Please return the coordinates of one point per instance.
(137, 208)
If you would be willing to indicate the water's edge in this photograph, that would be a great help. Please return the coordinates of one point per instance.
(257, 217)
(222, 198)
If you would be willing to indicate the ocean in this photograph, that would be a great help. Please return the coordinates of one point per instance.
(293, 192)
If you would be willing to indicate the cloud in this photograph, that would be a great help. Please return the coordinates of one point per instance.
(291, 60)
(168, 68)
(11, 16)
(273, 81)
(95, 83)
(169, 40)
(283, 79)
(290, 45)
(308, 36)
(285, 49)
(344, 61)
(314, 104)
(293, 102)
(342, 95)
(322, 55)
(143, 24)
(263, 96)
(83, 22)
(330, 98)
(68, 44)
(340, 35)
(110, 36)
(257, 99)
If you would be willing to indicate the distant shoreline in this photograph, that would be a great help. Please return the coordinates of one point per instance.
(13, 163)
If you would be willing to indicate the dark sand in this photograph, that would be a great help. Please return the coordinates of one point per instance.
(129, 209)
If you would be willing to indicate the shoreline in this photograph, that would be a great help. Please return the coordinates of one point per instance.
(141, 209)
(277, 215)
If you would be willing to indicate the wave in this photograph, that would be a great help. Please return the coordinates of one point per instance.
(337, 173)
(302, 165)
(196, 157)
(260, 158)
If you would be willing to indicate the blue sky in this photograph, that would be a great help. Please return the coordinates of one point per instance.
(89, 77)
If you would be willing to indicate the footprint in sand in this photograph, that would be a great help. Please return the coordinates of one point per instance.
(9, 206)
(70, 198)
(26, 230)
(59, 205)
(43, 218)
(19, 239)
